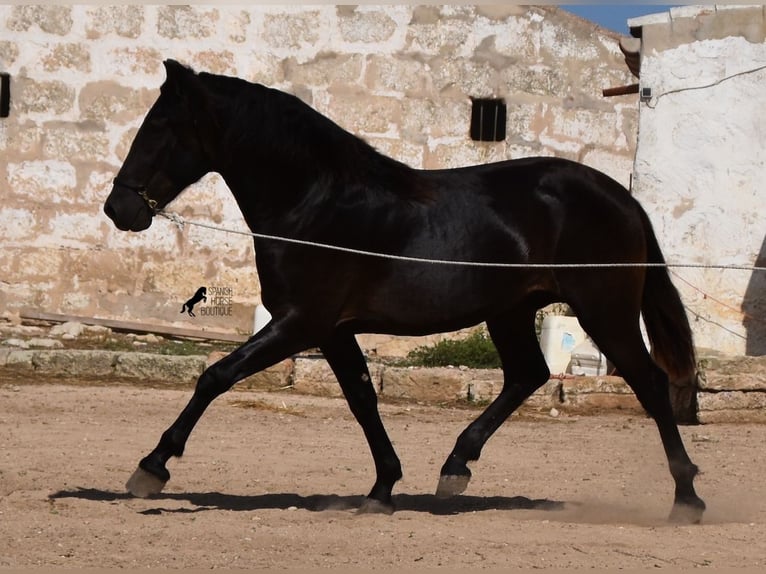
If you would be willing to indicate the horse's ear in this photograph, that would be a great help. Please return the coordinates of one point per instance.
(192, 94)
(177, 75)
(186, 85)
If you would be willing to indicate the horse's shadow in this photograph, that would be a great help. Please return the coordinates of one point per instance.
(427, 503)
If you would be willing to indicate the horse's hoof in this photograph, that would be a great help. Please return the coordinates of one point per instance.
(685, 513)
(372, 506)
(452, 485)
(144, 484)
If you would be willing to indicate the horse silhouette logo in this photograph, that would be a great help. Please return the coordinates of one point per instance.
(200, 295)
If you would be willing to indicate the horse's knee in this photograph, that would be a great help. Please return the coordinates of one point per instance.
(213, 382)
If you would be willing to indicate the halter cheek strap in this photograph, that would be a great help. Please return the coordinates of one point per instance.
(141, 191)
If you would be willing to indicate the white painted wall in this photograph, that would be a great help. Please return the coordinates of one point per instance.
(700, 171)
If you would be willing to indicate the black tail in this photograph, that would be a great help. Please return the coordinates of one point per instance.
(669, 332)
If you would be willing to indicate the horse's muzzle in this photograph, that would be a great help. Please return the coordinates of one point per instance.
(127, 210)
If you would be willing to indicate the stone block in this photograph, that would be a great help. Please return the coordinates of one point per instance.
(599, 393)
(42, 181)
(314, 376)
(18, 359)
(461, 78)
(69, 56)
(427, 385)
(236, 24)
(9, 51)
(327, 69)
(110, 101)
(85, 141)
(599, 128)
(73, 229)
(392, 75)
(732, 406)
(165, 368)
(732, 374)
(186, 22)
(366, 27)
(131, 60)
(292, 31)
(123, 20)
(215, 62)
(73, 363)
(422, 120)
(52, 97)
(366, 115)
(18, 225)
(50, 18)
(441, 38)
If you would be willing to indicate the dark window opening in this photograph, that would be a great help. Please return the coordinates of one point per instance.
(488, 120)
(5, 94)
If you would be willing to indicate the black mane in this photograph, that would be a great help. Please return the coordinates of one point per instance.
(294, 133)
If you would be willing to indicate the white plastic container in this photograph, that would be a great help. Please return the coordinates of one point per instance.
(260, 318)
(558, 338)
(588, 360)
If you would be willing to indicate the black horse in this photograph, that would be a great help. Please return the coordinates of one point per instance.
(199, 295)
(295, 173)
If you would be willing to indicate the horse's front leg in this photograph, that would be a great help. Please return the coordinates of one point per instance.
(275, 342)
(347, 362)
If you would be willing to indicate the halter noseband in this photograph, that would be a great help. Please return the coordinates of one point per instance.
(141, 191)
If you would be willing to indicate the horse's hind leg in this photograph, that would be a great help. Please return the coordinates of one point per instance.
(347, 362)
(617, 335)
(524, 371)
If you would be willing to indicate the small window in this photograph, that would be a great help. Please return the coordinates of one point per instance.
(488, 120)
(5, 94)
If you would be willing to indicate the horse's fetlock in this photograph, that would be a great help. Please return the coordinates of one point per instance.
(173, 441)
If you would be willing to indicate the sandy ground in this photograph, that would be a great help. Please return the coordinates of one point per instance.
(272, 480)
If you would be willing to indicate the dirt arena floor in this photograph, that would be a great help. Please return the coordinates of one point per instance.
(271, 480)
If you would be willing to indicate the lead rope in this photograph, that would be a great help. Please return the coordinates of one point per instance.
(180, 222)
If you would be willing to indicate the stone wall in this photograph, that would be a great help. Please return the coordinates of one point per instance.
(699, 167)
(83, 76)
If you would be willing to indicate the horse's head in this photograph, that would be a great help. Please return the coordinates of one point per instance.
(167, 154)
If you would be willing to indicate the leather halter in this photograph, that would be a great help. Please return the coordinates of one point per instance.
(141, 191)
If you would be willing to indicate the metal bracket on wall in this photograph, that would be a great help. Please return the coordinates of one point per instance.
(5, 94)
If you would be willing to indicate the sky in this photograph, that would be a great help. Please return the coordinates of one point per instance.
(615, 16)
